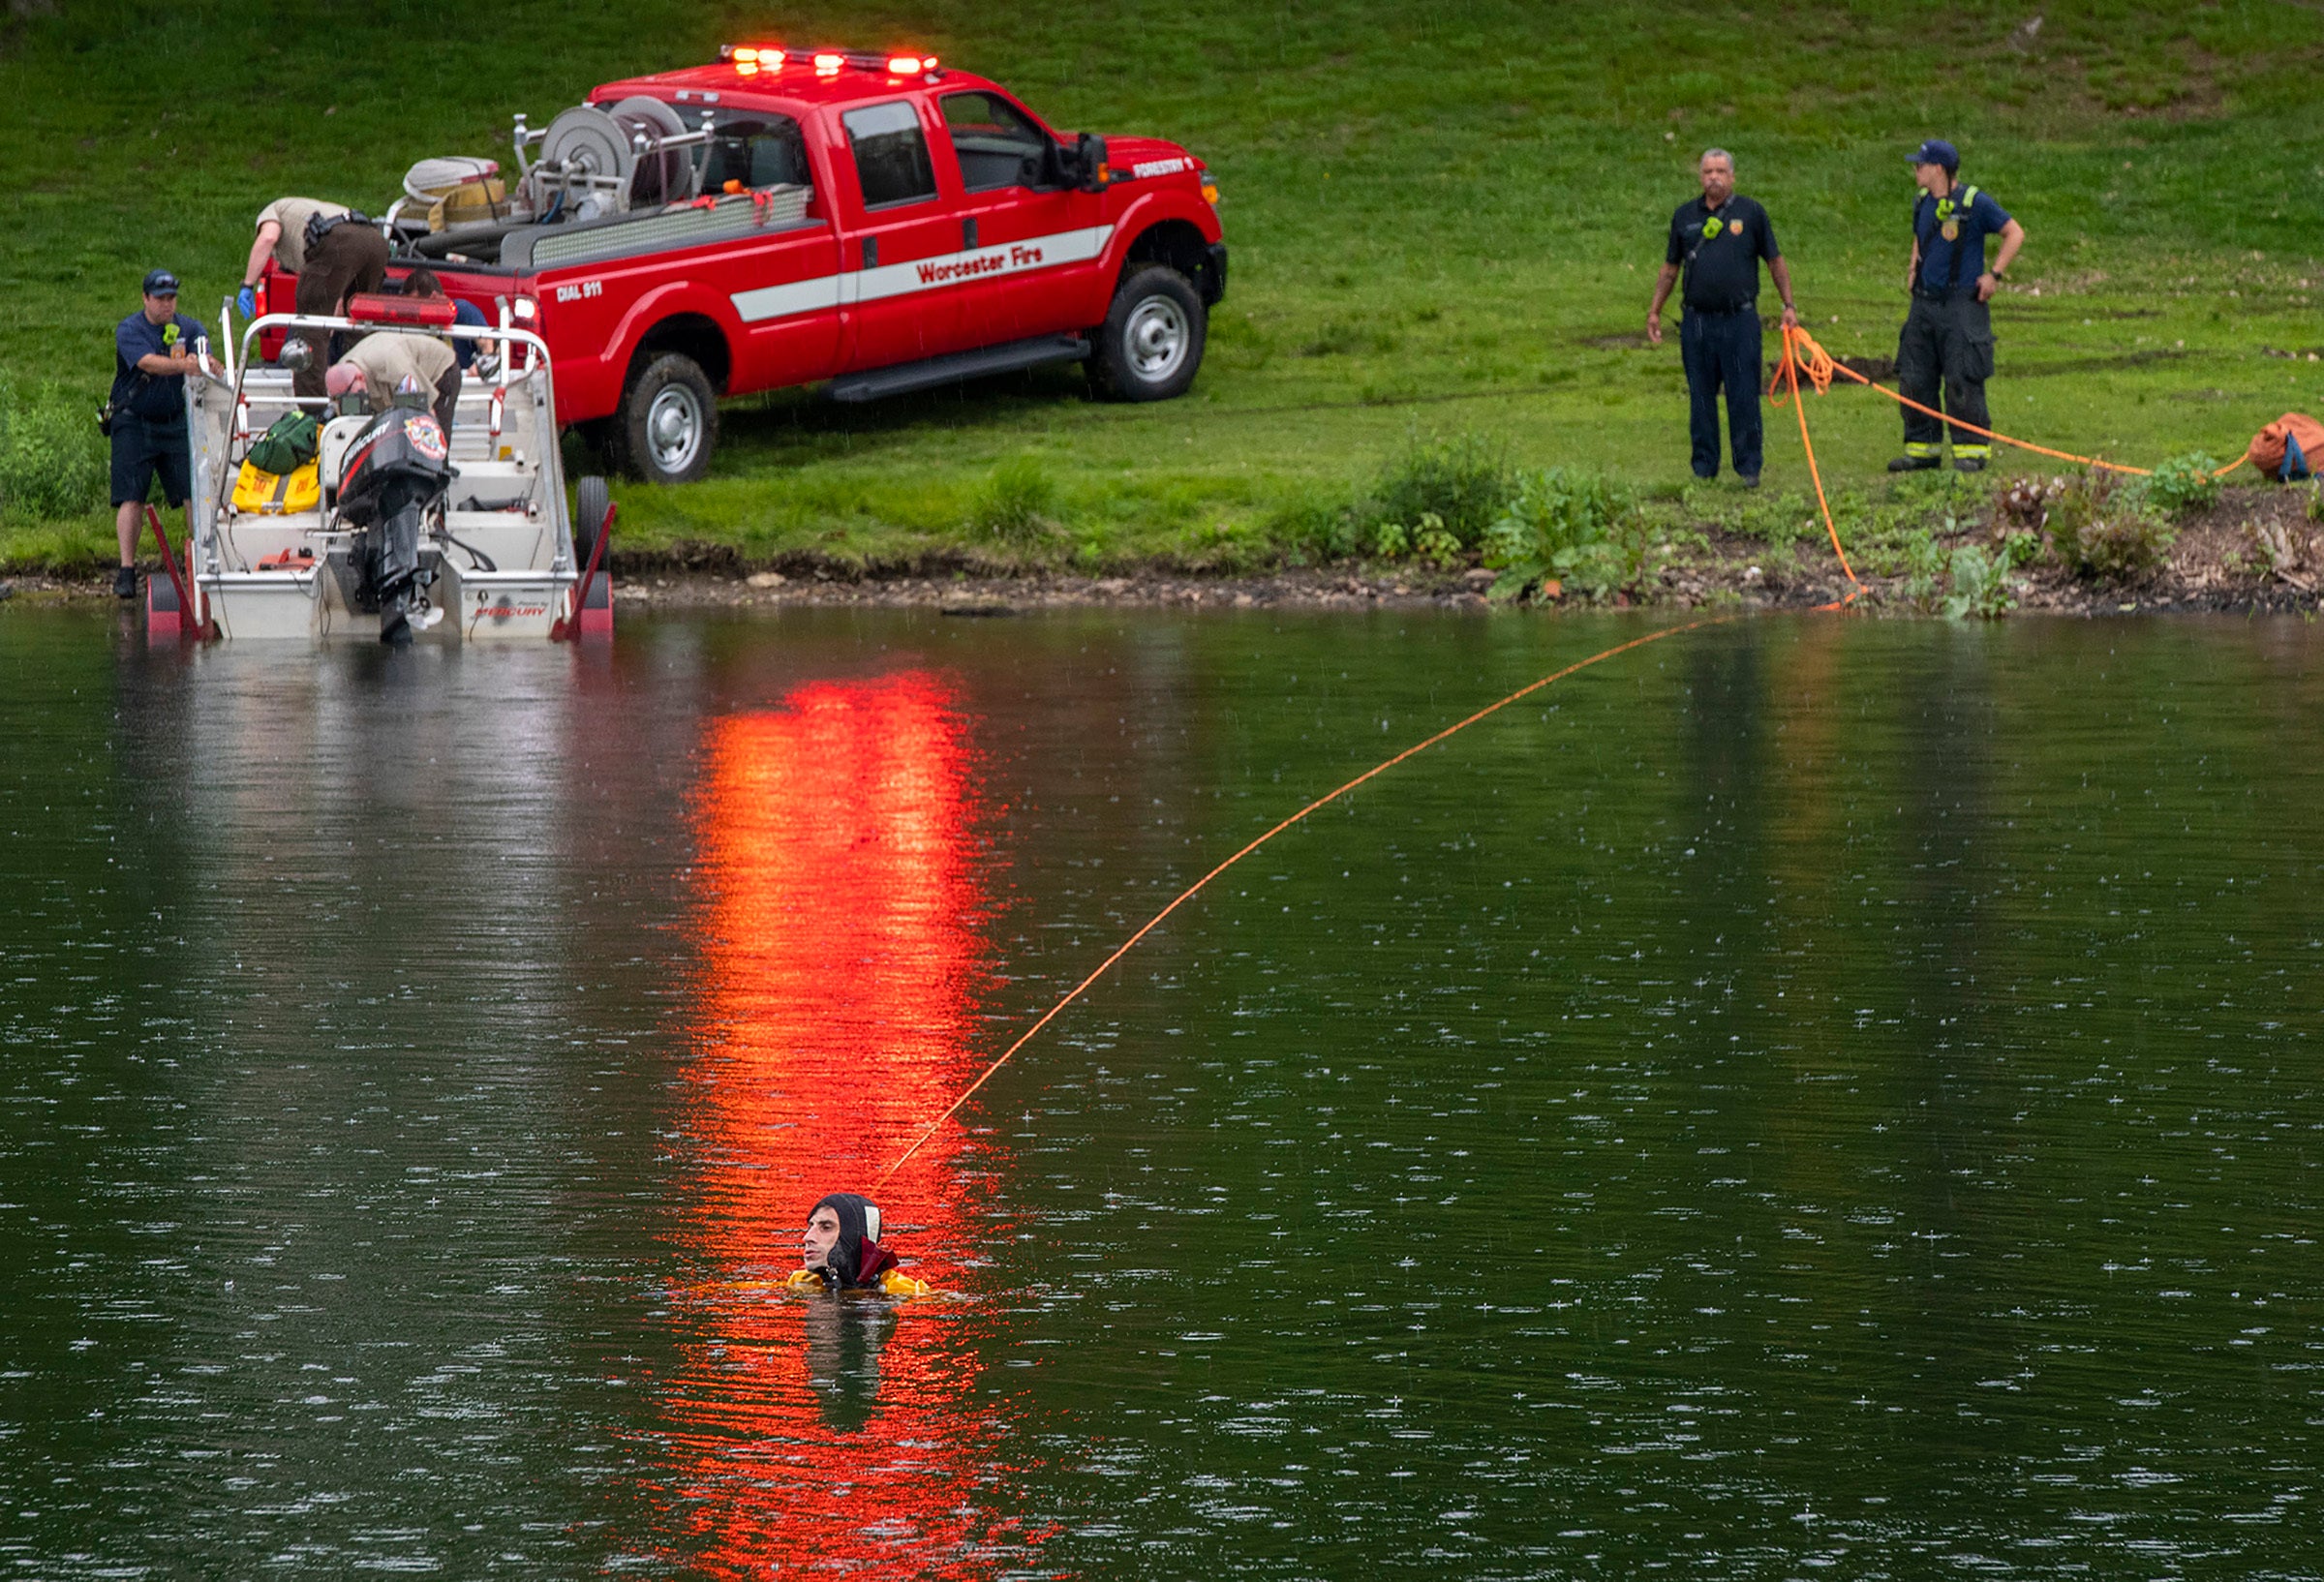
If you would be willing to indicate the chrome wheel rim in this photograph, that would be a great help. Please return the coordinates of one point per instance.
(674, 429)
(1156, 338)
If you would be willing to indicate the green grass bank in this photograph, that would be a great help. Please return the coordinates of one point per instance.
(1444, 220)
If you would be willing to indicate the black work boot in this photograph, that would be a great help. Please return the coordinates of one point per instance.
(1915, 464)
(1968, 464)
(124, 583)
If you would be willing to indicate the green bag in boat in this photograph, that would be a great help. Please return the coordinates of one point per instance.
(288, 445)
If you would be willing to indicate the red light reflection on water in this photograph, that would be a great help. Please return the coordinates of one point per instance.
(842, 938)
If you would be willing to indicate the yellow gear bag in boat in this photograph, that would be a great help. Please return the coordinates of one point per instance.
(260, 493)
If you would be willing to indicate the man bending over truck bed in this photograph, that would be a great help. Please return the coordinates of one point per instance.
(335, 253)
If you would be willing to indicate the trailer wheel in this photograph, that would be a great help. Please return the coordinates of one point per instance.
(1151, 343)
(591, 501)
(668, 424)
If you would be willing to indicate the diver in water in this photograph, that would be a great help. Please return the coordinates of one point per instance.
(842, 1251)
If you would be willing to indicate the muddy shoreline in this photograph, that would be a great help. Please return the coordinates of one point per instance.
(2257, 552)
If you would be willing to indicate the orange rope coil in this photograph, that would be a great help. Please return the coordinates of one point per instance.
(1804, 357)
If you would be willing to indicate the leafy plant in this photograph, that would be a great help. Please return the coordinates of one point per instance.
(1014, 505)
(1570, 525)
(1465, 482)
(1431, 541)
(2185, 483)
(2026, 503)
(52, 461)
(2101, 527)
(2020, 548)
(1389, 542)
(1779, 519)
(1980, 585)
(1924, 564)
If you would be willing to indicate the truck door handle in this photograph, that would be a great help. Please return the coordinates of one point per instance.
(968, 233)
(870, 252)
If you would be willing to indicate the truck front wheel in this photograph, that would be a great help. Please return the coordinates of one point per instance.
(668, 424)
(1152, 339)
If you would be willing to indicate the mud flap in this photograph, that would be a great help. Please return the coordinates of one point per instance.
(597, 608)
(164, 620)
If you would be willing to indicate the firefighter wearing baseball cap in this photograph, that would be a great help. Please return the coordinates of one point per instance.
(1945, 353)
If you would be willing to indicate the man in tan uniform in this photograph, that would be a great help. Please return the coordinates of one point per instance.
(380, 362)
(345, 258)
(282, 236)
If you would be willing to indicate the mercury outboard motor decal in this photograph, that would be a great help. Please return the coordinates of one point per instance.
(395, 471)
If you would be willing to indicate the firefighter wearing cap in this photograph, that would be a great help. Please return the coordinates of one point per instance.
(1945, 353)
(153, 353)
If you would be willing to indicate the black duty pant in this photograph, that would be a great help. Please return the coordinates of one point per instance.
(346, 259)
(1721, 351)
(1946, 350)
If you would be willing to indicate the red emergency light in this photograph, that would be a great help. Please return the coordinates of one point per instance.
(753, 58)
(376, 308)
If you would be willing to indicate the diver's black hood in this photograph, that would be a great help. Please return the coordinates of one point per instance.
(858, 1259)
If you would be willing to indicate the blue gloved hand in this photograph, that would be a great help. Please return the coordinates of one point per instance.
(248, 301)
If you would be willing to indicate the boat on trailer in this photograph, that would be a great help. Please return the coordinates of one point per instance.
(403, 532)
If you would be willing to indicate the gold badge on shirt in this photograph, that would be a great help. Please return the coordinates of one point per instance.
(1951, 230)
(1735, 228)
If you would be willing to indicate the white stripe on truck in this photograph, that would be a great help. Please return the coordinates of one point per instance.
(1063, 247)
(783, 301)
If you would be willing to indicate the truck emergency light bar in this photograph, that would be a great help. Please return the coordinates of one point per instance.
(751, 58)
(371, 308)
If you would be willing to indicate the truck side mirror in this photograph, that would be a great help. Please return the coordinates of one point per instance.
(1088, 163)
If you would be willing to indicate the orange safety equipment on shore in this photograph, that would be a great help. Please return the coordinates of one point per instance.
(2289, 448)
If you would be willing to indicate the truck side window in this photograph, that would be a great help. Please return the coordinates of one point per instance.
(998, 145)
(757, 151)
(891, 155)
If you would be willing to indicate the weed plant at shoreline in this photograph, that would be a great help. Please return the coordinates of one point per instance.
(1444, 230)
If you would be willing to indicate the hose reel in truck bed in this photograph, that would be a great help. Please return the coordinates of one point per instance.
(596, 161)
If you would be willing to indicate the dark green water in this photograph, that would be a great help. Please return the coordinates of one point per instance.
(1809, 1097)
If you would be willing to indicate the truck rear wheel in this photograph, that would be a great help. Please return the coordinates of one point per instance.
(668, 424)
(1151, 343)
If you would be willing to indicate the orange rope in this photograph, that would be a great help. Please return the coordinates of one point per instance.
(1791, 370)
(1802, 356)
(1191, 890)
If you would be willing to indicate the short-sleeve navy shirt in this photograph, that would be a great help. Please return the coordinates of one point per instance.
(1721, 249)
(1947, 263)
(465, 312)
(159, 397)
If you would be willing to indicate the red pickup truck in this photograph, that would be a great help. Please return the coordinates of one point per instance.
(783, 218)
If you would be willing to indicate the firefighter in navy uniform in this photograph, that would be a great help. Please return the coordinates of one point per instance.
(1945, 353)
(1719, 240)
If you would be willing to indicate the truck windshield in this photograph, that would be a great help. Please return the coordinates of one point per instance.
(891, 153)
(757, 150)
(998, 145)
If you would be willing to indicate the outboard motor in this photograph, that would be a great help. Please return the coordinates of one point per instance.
(395, 471)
